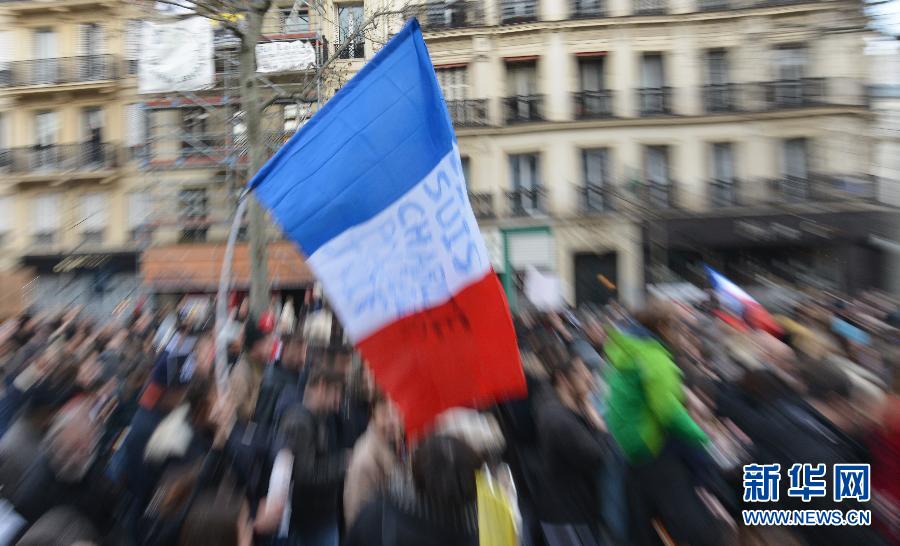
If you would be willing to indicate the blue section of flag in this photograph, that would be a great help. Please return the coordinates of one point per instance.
(380, 135)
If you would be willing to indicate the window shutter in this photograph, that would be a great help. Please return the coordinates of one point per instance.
(139, 209)
(94, 212)
(135, 125)
(46, 213)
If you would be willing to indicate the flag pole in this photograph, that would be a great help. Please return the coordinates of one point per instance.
(221, 363)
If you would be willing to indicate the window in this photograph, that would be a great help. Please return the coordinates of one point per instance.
(45, 217)
(652, 73)
(93, 217)
(454, 82)
(717, 67)
(723, 179)
(590, 72)
(656, 164)
(795, 184)
(723, 161)
(656, 174)
(193, 212)
(653, 95)
(350, 19)
(135, 126)
(795, 158)
(447, 13)
(133, 29)
(294, 20)
(46, 65)
(521, 78)
(464, 162)
(91, 63)
(790, 62)
(523, 103)
(194, 125)
(140, 211)
(45, 131)
(518, 11)
(524, 171)
(595, 163)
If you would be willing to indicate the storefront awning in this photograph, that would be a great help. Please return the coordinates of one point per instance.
(196, 267)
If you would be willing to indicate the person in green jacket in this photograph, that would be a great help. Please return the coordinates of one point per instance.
(661, 443)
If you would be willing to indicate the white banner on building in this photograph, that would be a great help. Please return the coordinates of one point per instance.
(285, 56)
(176, 56)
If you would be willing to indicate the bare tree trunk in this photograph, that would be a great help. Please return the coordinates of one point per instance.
(250, 103)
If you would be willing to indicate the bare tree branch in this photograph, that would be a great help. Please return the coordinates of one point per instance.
(204, 11)
(369, 23)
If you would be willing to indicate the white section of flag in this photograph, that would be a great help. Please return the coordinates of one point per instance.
(414, 255)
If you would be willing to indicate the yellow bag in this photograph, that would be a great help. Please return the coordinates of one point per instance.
(496, 514)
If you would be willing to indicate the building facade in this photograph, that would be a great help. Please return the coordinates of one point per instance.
(67, 104)
(609, 142)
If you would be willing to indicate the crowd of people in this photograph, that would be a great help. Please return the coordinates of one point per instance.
(635, 430)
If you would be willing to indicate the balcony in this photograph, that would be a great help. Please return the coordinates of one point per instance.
(657, 195)
(714, 5)
(482, 204)
(468, 113)
(60, 158)
(58, 71)
(655, 101)
(523, 108)
(723, 193)
(445, 15)
(596, 198)
(593, 104)
(518, 11)
(720, 97)
(650, 7)
(824, 188)
(799, 93)
(586, 9)
(526, 202)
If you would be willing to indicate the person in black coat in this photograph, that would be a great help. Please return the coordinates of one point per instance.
(434, 506)
(319, 463)
(572, 440)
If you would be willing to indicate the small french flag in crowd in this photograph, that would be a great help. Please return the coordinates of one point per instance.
(734, 299)
(372, 190)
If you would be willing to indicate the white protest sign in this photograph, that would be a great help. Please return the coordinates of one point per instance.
(285, 56)
(176, 56)
(543, 290)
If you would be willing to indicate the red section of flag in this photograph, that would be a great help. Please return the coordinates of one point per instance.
(461, 353)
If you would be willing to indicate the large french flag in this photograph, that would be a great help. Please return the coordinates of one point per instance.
(372, 190)
(733, 298)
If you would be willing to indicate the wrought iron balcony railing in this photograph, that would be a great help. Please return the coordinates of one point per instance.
(527, 202)
(723, 193)
(50, 158)
(468, 113)
(518, 11)
(585, 9)
(482, 204)
(657, 194)
(720, 97)
(651, 7)
(596, 198)
(654, 101)
(593, 104)
(797, 93)
(441, 15)
(61, 70)
(524, 108)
